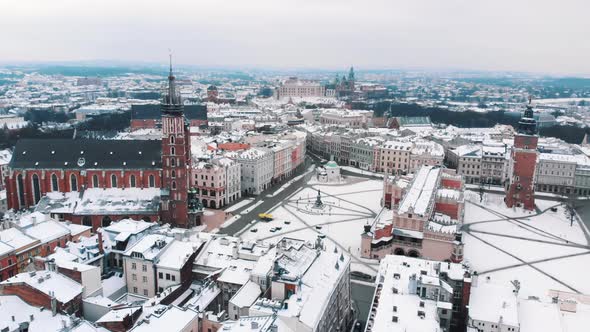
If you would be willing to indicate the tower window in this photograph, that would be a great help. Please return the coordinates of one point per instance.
(172, 151)
(73, 183)
(173, 162)
(54, 184)
(174, 185)
(172, 139)
(113, 181)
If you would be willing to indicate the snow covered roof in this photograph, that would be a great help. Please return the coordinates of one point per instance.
(5, 248)
(47, 231)
(246, 295)
(419, 196)
(176, 255)
(173, 319)
(150, 246)
(494, 303)
(63, 288)
(17, 239)
(399, 273)
(119, 201)
(16, 311)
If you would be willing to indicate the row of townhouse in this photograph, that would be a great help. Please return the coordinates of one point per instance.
(376, 153)
(562, 171)
(269, 162)
(216, 181)
(487, 163)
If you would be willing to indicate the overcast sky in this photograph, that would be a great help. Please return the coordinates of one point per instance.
(517, 35)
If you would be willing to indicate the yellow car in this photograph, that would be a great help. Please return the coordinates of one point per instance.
(265, 216)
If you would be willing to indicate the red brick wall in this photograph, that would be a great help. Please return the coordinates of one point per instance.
(143, 124)
(123, 181)
(72, 274)
(8, 267)
(450, 183)
(449, 209)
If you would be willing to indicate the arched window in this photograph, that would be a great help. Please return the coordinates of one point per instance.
(20, 190)
(36, 189)
(172, 162)
(172, 151)
(113, 181)
(173, 184)
(152, 180)
(172, 139)
(54, 183)
(106, 221)
(132, 181)
(173, 174)
(95, 181)
(87, 221)
(73, 183)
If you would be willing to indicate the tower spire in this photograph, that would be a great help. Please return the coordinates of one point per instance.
(172, 98)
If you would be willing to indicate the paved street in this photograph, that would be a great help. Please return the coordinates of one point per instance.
(248, 214)
(362, 295)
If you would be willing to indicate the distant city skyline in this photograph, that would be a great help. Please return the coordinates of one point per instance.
(542, 37)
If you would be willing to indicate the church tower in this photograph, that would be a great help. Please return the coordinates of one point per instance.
(523, 163)
(176, 160)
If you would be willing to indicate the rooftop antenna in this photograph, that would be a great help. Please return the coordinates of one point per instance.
(170, 56)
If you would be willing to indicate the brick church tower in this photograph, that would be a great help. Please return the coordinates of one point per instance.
(523, 163)
(178, 204)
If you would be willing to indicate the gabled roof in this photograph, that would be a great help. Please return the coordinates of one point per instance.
(86, 154)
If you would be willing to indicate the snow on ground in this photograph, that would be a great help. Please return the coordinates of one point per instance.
(240, 204)
(347, 208)
(540, 238)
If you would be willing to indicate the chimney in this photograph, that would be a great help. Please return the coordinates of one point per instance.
(100, 249)
(53, 305)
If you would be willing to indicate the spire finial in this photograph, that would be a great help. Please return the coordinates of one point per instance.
(170, 56)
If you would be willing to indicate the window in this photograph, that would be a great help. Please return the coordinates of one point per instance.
(173, 162)
(144, 279)
(54, 183)
(172, 139)
(145, 292)
(167, 276)
(134, 277)
(173, 278)
(172, 151)
(132, 181)
(113, 181)
(161, 275)
(152, 181)
(20, 189)
(144, 268)
(173, 184)
(173, 174)
(36, 189)
(133, 266)
(73, 183)
(135, 290)
(95, 181)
